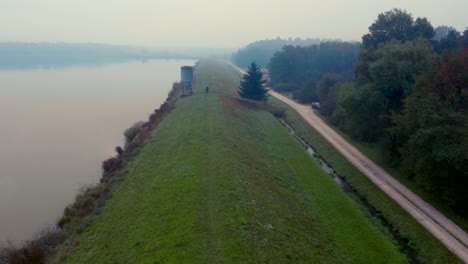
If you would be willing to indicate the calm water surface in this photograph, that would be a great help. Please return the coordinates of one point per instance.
(58, 125)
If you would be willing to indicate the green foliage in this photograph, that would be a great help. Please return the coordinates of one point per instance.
(427, 127)
(385, 76)
(304, 66)
(327, 89)
(451, 40)
(297, 64)
(431, 133)
(131, 132)
(308, 92)
(252, 85)
(261, 51)
(396, 67)
(358, 111)
(435, 148)
(285, 87)
(399, 25)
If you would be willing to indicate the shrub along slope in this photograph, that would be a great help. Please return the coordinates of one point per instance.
(222, 181)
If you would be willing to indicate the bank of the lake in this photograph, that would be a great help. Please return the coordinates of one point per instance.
(221, 180)
(59, 124)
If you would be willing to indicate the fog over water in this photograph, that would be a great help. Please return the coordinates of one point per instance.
(57, 126)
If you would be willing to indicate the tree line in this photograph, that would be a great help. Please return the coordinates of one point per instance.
(261, 51)
(299, 69)
(404, 88)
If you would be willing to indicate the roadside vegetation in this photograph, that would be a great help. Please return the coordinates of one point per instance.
(221, 180)
(405, 104)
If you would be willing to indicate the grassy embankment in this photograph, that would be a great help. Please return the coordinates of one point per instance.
(223, 181)
(427, 248)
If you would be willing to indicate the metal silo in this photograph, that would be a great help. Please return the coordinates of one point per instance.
(186, 76)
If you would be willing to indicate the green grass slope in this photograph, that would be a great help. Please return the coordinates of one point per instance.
(222, 181)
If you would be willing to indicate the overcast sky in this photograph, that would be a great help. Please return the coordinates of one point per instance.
(206, 23)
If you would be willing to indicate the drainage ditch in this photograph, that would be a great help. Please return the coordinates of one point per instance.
(346, 187)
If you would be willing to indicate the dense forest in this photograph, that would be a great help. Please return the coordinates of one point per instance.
(406, 91)
(299, 69)
(261, 51)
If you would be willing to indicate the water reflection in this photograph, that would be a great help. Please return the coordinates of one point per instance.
(57, 125)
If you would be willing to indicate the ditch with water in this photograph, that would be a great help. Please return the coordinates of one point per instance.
(346, 187)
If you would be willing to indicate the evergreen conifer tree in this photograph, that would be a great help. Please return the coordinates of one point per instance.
(252, 85)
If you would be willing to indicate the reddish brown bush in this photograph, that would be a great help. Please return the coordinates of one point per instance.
(111, 165)
(30, 253)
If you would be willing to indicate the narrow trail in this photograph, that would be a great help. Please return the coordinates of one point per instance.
(447, 232)
(211, 181)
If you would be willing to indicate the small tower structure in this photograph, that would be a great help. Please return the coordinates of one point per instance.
(186, 78)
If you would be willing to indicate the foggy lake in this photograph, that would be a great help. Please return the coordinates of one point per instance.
(56, 127)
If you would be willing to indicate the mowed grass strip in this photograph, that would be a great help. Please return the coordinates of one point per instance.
(221, 181)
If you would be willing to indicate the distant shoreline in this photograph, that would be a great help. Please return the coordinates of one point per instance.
(23, 55)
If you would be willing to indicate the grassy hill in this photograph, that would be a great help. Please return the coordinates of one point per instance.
(223, 181)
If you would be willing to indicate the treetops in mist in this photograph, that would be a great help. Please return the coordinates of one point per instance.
(400, 25)
(394, 24)
(261, 51)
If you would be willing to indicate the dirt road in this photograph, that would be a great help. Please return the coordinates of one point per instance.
(452, 236)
